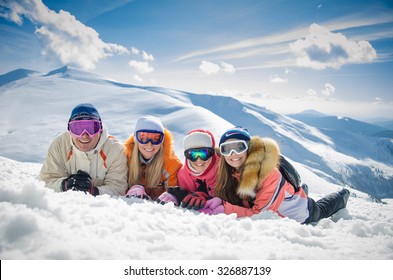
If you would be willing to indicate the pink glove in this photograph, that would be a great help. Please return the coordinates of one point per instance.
(213, 206)
(167, 197)
(137, 191)
(218, 210)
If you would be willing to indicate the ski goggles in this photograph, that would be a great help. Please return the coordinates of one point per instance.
(78, 128)
(152, 136)
(203, 153)
(237, 147)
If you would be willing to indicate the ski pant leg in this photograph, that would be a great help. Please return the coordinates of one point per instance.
(326, 206)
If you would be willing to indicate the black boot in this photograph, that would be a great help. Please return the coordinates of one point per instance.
(345, 195)
(327, 206)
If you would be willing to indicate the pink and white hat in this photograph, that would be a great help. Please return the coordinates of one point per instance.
(199, 138)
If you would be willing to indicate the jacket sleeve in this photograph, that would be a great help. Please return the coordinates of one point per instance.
(115, 182)
(263, 197)
(54, 169)
(172, 168)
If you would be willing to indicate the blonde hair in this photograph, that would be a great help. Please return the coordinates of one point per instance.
(226, 186)
(153, 171)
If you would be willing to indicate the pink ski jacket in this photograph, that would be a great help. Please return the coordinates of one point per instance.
(264, 186)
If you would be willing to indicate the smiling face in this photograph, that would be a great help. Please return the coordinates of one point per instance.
(85, 143)
(148, 150)
(236, 160)
(200, 165)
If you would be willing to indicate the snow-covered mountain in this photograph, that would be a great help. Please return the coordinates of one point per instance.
(340, 123)
(16, 75)
(35, 108)
(37, 223)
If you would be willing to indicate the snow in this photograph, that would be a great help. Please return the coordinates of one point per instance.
(39, 224)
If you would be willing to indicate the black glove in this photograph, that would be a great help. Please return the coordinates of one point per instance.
(178, 192)
(81, 181)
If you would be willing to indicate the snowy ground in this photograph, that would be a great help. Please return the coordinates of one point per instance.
(36, 223)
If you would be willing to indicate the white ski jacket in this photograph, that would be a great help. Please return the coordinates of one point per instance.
(106, 164)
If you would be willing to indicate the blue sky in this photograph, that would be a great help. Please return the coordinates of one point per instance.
(332, 56)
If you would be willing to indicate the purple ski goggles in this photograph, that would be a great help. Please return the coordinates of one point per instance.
(78, 128)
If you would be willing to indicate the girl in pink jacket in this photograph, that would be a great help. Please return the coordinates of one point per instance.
(249, 182)
(197, 177)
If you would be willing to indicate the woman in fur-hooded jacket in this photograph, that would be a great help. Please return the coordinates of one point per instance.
(249, 182)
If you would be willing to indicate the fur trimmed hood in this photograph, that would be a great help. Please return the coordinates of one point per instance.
(263, 157)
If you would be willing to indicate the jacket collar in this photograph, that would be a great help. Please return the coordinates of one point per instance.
(263, 156)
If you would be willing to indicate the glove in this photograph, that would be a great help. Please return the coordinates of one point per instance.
(195, 200)
(137, 191)
(213, 203)
(218, 210)
(167, 197)
(213, 206)
(81, 181)
(178, 192)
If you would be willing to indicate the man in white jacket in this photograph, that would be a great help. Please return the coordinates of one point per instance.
(86, 158)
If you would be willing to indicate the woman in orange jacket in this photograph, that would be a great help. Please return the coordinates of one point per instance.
(249, 182)
(152, 162)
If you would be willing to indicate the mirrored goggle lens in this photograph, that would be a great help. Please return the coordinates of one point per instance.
(227, 148)
(91, 127)
(202, 153)
(145, 137)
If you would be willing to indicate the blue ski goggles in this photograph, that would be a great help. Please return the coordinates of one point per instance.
(203, 153)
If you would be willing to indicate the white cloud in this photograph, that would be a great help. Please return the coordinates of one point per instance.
(277, 80)
(378, 100)
(142, 67)
(227, 68)
(147, 57)
(62, 36)
(328, 90)
(209, 68)
(134, 51)
(311, 94)
(323, 49)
